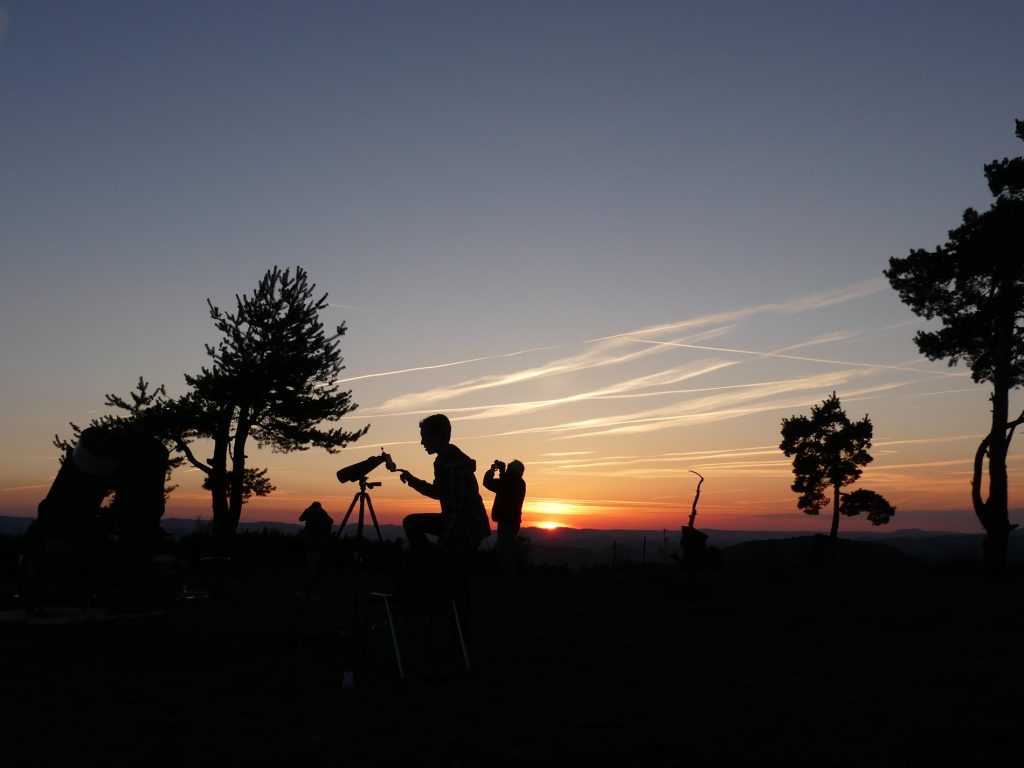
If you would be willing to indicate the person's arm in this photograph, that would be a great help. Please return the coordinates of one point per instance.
(491, 483)
(421, 486)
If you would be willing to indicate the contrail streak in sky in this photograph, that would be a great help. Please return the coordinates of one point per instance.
(443, 365)
(799, 358)
(805, 304)
(354, 309)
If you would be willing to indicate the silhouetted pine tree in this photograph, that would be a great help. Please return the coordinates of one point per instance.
(828, 451)
(273, 379)
(975, 285)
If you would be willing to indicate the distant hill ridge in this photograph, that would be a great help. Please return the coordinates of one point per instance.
(587, 546)
(11, 524)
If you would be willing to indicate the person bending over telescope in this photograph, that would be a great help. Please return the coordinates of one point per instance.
(462, 523)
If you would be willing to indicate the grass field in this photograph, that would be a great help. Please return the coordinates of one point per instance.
(623, 665)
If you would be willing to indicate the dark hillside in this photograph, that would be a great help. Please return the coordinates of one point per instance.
(814, 552)
(624, 665)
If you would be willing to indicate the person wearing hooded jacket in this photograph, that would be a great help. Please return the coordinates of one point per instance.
(462, 523)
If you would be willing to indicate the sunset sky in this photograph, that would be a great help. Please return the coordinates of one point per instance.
(619, 241)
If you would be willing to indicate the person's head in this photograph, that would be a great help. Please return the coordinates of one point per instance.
(435, 432)
(515, 468)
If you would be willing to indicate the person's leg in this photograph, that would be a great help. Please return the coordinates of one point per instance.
(418, 574)
(137, 553)
(416, 529)
(313, 555)
(505, 550)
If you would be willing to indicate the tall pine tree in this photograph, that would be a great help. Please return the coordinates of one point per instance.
(272, 378)
(974, 284)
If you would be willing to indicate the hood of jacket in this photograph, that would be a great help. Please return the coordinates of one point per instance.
(452, 455)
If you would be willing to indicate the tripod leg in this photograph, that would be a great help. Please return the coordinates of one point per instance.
(348, 514)
(357, 641)
(363, 498)
(373, 517)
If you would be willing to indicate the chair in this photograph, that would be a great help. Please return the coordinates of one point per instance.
(387, 600)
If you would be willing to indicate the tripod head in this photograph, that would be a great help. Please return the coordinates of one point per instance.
(364, 484)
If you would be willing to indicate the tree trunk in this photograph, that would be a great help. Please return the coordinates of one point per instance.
(218, 482)
(993, 549)
(222, 529)
(993, 512)
(237, 494)
(994, 519)
(834, 534)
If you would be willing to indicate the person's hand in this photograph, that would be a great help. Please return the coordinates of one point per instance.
(405, 477)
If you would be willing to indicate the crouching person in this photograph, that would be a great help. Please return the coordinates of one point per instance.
(461, 524)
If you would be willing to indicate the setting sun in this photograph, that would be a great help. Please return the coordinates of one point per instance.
(548, 512)
(548, 525)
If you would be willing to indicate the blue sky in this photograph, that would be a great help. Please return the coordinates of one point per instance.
(509, 184)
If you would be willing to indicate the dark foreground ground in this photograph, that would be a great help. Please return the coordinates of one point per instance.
(622, 665)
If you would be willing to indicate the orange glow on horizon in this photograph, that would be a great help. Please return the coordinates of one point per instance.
(548, 513)
(549, 525)
(548, 507)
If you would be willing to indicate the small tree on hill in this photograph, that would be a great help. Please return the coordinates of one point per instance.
(828, 451)
(272, 378)
(975, 285)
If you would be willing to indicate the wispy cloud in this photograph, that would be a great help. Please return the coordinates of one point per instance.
(923, 441)
(730, 404)
(690, 406)
(807, 303)
(611, 350)
(778, 355)
(494, 410)
(602, 355)
(679, 458)
(16, 488)
(672, 376)
(353, 308)
(923, 464)
(827, 338)
(444, 365)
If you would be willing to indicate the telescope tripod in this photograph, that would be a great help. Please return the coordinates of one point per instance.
(365, 503)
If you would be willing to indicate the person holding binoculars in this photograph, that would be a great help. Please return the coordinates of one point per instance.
(506, 481)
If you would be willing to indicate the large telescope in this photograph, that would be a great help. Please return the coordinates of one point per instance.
(355, 472)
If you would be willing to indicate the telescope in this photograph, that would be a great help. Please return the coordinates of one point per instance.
(351, 474)
(355, 472)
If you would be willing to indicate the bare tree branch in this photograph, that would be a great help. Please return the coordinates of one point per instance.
(693, 511)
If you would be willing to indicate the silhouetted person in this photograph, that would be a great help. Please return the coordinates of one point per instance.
(138, 506)
(317, 538)
(507, 511)
(462, 523)
(64, 534)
